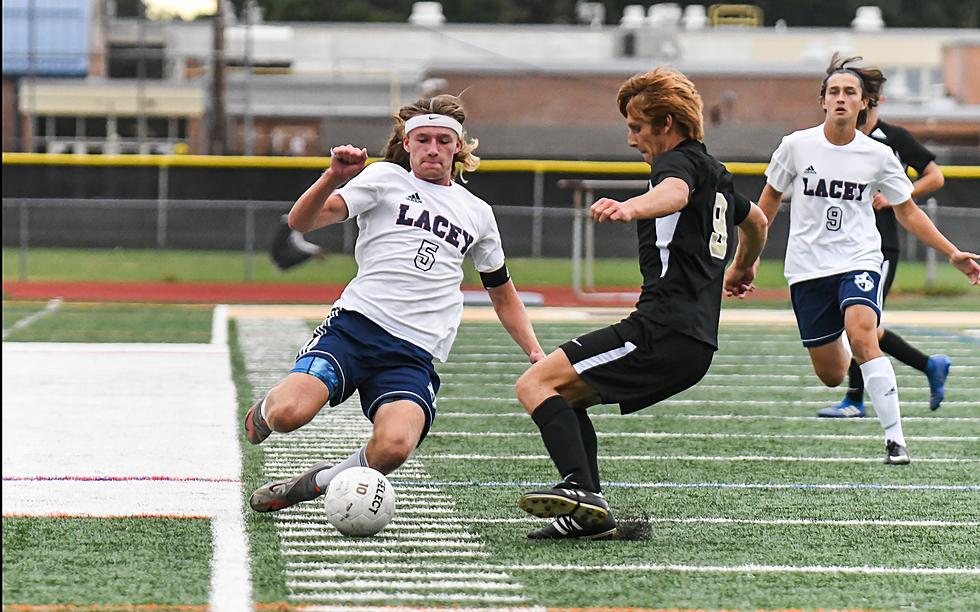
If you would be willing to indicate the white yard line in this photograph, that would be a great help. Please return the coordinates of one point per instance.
(49, 308)
(747, 568)
(709, 435)
(704, 458)
(437, 523)
(938, 419)
(736, 486)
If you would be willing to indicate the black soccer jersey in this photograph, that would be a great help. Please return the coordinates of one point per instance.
(683, 255)
(910, 153)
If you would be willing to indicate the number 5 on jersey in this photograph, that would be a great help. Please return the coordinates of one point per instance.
(426, 255)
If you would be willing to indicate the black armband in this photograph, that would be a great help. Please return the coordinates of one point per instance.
(496, 278)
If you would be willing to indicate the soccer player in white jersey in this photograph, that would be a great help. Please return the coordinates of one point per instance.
(832, 173)
(415, 225)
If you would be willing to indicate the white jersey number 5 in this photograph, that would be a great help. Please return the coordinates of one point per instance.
(718, 243)
(426, 255)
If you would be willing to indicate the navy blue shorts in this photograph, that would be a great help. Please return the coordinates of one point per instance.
(819, 304)
(350, 352)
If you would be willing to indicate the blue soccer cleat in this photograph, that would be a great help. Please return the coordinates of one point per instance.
(937, 369)
(846, 409)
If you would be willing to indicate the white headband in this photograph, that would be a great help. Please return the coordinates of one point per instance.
(434, 120)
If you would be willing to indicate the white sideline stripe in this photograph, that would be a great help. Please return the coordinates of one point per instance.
(383, 553)
(803, 486)
(341, 546)
(406, 596)
(720, 458)
(230, 587)
(916, 393)
(49, 308)
(511, 401)
(296, 532)
(219, 325)
(345, 608)
(323, 582)
(712, 435)
(455, 575)
(447, 523)
(680, 567)
(711, 417)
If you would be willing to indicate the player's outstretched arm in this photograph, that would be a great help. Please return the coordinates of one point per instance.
(668, 197)
(513, 316)
(752, 233)
(921, 226)
(319, 206)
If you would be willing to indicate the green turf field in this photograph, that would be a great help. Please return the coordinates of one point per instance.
(82, 322)
(46, 264)
(752, 504)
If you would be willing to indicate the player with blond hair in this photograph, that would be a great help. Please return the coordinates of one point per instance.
(402, 309)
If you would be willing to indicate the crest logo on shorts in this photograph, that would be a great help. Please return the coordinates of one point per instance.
(864, 282)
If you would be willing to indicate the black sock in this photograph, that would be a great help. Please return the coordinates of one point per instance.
(591, 444)
(894, 345)
(563, 439)
(855, 386)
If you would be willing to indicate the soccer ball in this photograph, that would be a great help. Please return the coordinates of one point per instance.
(360, 501)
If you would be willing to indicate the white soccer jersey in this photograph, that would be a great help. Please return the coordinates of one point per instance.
(831, 187)
(412, 236)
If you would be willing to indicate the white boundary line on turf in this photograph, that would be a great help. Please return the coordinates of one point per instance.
(49, 308)
(231, 578)
(697, 402)
(436, 523)
(679, 567)
(709, 417)
(718, 458)
(690, 434)
(219, 325)
(802, 486)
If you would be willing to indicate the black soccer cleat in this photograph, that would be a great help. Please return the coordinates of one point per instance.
(587, 508)
(567, 528)
(896, 454)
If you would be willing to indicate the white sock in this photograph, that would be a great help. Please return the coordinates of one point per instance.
(847, 344)
(358, 459)
(262, 410)
(879, 381)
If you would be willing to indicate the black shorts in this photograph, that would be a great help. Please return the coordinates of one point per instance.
(638, 363)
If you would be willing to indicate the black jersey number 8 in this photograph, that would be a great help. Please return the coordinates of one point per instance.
(426, 255)
(835, 215)
(718, 243)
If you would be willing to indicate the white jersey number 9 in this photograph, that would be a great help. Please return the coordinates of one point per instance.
(718, 243)
(834, 216)
(426, 255)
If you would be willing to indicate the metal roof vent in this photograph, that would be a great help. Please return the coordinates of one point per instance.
(428, 14)
(868, 19)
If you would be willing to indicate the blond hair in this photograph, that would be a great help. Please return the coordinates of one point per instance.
(662, 92)
(444, 104)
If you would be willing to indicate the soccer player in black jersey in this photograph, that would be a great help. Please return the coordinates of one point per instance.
(930, 179)
(685, 224)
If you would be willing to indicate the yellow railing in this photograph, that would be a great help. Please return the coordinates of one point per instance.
(486, 165)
